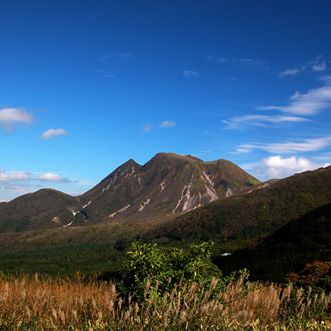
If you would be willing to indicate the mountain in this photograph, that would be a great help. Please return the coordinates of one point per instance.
(45, 208)
(297, 243)
(251, 215)
(232, 222)
(166, 186)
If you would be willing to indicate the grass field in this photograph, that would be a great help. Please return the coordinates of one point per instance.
(33, 303)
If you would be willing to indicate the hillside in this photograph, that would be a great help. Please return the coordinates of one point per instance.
(166, 186)
(233, 222)
(300, 241)
(45, 208)
(250, 215)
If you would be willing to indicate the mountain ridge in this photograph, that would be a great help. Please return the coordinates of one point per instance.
(167, 185)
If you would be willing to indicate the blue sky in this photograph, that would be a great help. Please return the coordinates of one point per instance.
(86, 85)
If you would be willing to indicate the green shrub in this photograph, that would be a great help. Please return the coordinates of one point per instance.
(150, 267)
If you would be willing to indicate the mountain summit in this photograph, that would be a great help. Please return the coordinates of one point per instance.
(166, 186)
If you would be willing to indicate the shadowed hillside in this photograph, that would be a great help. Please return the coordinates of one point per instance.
(298, 242)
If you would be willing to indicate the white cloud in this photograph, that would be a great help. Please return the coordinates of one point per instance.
(260, 120)
(15, 183)
(307, 145)
(53, 133)
(14, 176)
(28, 177)
(279, 167)
(52, 177)
(190, 73)
(12, 116)
(167, 124)
(317, 64)
(310, 103)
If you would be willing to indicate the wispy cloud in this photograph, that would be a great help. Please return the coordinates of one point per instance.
(280, 167)
(234, 60)
(167, 124)
(124, 54)
(148, 127)
(104, 73)
(299, 106)
(105, 58)
(310, 103)
(306, 145)
(317, 64)
(326, 79)
(256, 120)
(51, 133)
(292, 71)
(9, 117)
(190, 74)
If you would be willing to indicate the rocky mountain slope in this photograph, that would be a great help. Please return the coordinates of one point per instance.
(166, 186)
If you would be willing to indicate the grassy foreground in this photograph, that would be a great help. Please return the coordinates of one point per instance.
(30, 303)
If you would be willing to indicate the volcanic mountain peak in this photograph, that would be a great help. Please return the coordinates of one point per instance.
(167, 185)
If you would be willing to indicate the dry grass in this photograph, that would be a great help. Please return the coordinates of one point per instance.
(34, 304)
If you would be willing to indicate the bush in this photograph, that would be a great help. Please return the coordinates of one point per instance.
(315, 274)
(149, 267)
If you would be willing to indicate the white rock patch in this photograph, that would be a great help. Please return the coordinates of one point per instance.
(144, 204)
(111, 182)
(119, 211)
(210, 187)
(56, 220)
(84, 206)
(228, 192)
(163, 185)
(189, 201)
